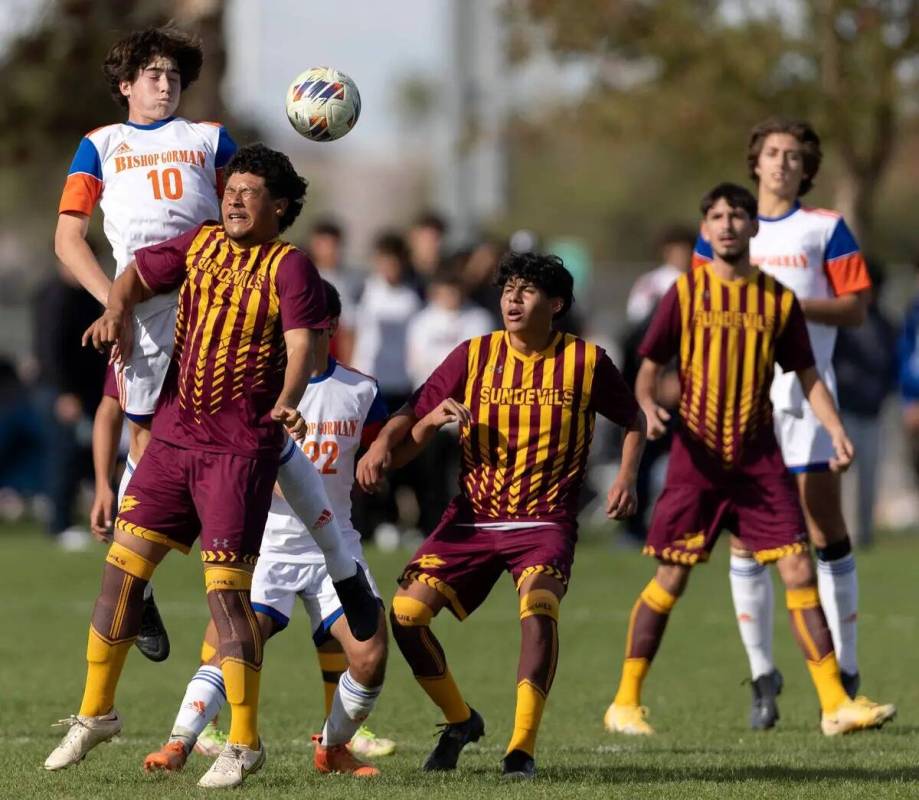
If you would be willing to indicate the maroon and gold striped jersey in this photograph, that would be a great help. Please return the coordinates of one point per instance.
(525, 453)
(728, 336)
(227, 368)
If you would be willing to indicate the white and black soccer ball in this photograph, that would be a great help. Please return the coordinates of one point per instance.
(323, 104)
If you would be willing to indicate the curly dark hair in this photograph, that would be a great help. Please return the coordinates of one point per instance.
(130, 55)
(735, 196)
(332, 300)
(544, 271)
(280, 177)
(803, 132)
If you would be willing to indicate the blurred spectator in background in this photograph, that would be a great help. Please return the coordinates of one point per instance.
(675, 244)
(21, 465)
(387, 305)
(865, 362)
(908, 372)
(426, 246)
(478, 273)
(326, 250)
(447, 319)
(68, 389)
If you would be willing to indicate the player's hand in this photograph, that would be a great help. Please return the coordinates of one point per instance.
(292, 419)
(449, 411)
(371, 469)
(112, 330)
(845, 451)
(100, 515)
(622, 499)
(657, 418)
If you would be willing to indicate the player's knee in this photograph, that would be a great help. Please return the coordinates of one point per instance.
(367, 661)
(797, 571)
(539, 603)
(408, 612)
(672, 578)
(116, 615)
(833, 551)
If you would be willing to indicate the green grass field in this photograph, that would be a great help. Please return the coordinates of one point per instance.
(703, 748)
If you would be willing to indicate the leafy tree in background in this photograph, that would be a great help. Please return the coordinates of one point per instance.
(679, 84)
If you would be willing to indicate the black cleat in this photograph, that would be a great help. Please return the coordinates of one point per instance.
(361, 607)
(850, 682)
(518, 765)
(152, 641)
(453, 738)
(764, 712)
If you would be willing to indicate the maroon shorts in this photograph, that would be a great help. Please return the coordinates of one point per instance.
(177, 494)
(463, 561)
(757, 501)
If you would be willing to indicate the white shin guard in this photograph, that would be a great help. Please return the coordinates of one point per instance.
(351, 705)
(305, 494)
(751, 589)
(204, 697)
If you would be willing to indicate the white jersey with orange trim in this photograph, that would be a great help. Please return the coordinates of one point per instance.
(153, 182)
(344, 412)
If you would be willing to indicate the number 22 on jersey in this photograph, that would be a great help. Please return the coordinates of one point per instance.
(328, 451)
(166, 183)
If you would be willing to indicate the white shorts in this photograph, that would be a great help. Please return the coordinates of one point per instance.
(277, 584)
(141, 379)
(806, 445)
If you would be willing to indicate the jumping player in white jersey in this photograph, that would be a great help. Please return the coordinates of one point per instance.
(155, 175)
(812, 252)
(343, 411)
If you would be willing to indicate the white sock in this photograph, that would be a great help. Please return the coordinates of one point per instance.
(305, 494)
(203, 700)
(351, 705)
(129, 467)
(751, 589)
(837, 584)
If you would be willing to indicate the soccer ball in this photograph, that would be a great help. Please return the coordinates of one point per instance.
(323, 104)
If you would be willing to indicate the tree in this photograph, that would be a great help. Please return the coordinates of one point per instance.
(693, 76)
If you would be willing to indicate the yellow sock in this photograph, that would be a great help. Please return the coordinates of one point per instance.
(825, 675)
(104, 662)
(331, 665)
(446, 694)
(208, 651)
(527, 716)
(242, 685)
(634, 671)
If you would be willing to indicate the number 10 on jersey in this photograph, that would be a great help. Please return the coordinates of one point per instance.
(166, 183)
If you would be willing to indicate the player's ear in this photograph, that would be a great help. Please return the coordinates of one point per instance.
(125, 88)
(755, 226)
(557, 304)
(703, 232)
(280, 206)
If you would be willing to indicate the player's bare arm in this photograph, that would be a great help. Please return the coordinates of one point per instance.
(74, 252)
(845, 311)
(656, 416)
(106, 433)
(379, 456)
(301, 348)
(114, 328)
(447, 412)
(622, 498)
(822, 402)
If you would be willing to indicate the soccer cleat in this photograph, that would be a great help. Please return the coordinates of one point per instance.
(453, 738)
(234, 764)
(152, 641)
(856, 715)
(84, 734)
(171, 757)
(518, 765)
(630, 720)
(850, 682)
(361, 607)
(367, 744)
(764, 712)
(211, 741)
(338, 758)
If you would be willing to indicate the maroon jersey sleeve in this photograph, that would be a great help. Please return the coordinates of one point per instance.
(793, 344)
(162, 266)
(610, 394)
(300, 292)
(662, 339)
(448, 380)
